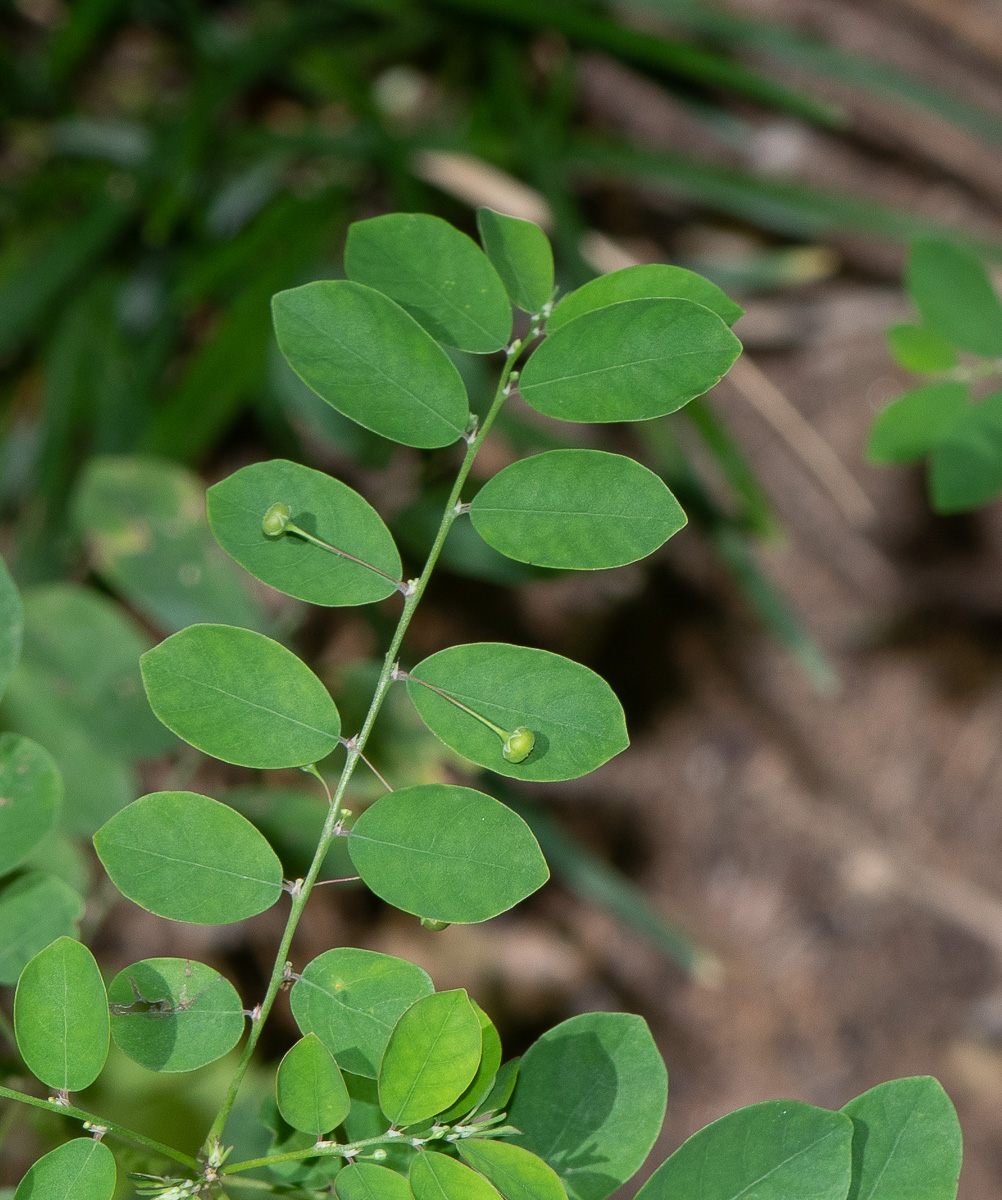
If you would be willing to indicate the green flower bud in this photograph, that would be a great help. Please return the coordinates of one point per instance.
(437, 926)
(518, 745)
(276, 519)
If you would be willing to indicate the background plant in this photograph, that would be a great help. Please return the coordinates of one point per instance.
(169, 168)
(411, 1079)
(952, 423)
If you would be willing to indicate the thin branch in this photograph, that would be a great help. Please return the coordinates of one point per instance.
(122, 1131)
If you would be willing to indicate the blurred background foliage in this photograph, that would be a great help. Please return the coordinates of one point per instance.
(165, 167)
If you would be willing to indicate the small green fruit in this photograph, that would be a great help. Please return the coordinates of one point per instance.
(518, 745)
(276, 519)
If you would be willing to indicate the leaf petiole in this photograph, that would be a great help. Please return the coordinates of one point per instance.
(91, 1121)
(517, 745)
(277, 521)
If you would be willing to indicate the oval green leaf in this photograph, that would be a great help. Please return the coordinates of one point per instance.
(771, 1151)
(521, 254)
(83, 650)
(435, 272)
(11, 626)
(309, 1089)
(370, 360)
(965, 469)
(954, 296)
(516, 1173)
(321, 506)
(501, 1088)
(629, 362)
(649, 281)
(910, 427)
(35, 909)
(351, 999)
(446, 853)
(919, 349)
(431, 1057)
(366, 1181)
(590, 1100)
(143, 521)
(482, 1083)
(435, 1177)
(576, 509)
(577, 721)
(906, 1143)
(82, 1169)
(240, 697)
(61, 1016)
(189, 858)
(174, 1014)
(31, 795)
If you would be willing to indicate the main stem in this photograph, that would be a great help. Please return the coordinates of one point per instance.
(355, 751)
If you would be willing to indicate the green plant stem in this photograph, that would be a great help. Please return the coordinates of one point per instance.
(122, 1131)
(333, 1149)
(354, 751)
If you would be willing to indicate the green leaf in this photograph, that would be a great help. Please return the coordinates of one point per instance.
(435, 1177)
(11, 626)
(954, 296)
(517, 1174)
(143, 521)
(590, 1100)
(446, 853)
(431, 1057)
(31, 795)
(241, 697)
(366, 1181)
(910, 427)
(322, 507)
(906, 1142)
(351, 999)
(521, 255)
(576, 719)
(652, 280)
(482, 1083)
(174, 1014)
(83, 650)
(918, 349)
(629, 362)
(34, 910)
(965, 469)
(78, 1170)
(65, 858)
(501, 1088)
(771, 1151)
(188, 858)
(309, 1088)
(435, 272)
(97, 784)
(576, 509)
(61, 1016)
(371, 361)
